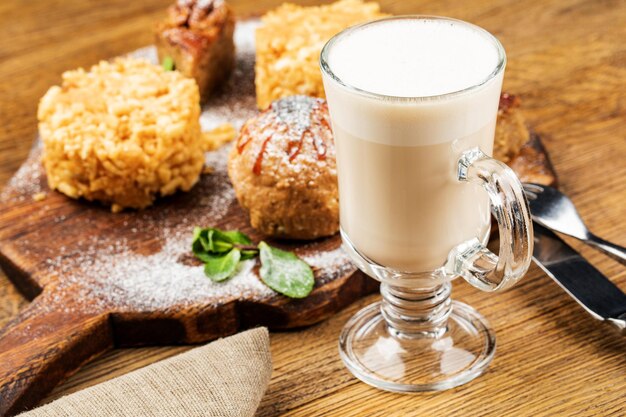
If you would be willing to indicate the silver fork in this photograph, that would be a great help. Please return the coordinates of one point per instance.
(554, 210)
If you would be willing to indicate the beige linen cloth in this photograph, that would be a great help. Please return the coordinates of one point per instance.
(225, 378)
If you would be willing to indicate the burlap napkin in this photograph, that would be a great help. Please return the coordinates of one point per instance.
(225, 378)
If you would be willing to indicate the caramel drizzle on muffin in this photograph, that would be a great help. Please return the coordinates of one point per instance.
(294, 117)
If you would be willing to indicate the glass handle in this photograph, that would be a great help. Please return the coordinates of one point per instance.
(471, 259)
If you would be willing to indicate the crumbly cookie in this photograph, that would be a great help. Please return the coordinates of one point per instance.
(122, 133)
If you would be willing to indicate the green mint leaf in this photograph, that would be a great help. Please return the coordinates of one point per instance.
(221, 267)
(210, 241)
(284, 272)
(168, 63)
(197, 231)
(234, 237)
(248, 254)
(221, 247)
(205, 239)
(200, 241)
(217, 242)
(237, 237)
(203, 256)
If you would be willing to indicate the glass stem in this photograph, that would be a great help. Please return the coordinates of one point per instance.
(416, 313)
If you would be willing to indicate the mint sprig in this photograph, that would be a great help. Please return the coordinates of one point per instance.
(168, 63)
(222, 251)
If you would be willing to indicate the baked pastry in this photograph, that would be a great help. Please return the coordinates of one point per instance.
(511, 130)
(283, 170)
(122, 133)
(289, 42)
(198, 36)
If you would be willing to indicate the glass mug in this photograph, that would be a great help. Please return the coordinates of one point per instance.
(417, 189)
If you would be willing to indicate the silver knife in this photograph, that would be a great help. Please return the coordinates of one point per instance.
(584, 283)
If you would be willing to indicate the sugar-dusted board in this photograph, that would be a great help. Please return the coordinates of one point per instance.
(100, 280)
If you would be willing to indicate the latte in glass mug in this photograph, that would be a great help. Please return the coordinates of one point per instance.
(401, 204)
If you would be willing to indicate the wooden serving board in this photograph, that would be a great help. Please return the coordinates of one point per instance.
(100, 280)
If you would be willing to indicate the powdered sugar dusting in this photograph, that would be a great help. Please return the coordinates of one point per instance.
(29, 178)
(162, 279)
(108, 269)
(295, 111)
(333, 264)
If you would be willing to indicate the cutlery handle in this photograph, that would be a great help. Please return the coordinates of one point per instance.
(615, 251)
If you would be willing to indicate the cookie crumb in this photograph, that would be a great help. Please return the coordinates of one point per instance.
(39, 196)
(219, 136)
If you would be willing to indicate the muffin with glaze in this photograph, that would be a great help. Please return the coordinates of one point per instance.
(283, 170)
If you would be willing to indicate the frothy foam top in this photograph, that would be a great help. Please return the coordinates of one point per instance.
(414, 58)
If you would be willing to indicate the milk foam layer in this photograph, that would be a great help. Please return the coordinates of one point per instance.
(414, 58)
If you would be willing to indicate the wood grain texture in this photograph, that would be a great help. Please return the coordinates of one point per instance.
(79, 313)
(567, 61)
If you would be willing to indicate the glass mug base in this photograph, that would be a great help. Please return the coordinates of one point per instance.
(416, 338)
(427, 362)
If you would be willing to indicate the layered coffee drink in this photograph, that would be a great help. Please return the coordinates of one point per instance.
(410, 96)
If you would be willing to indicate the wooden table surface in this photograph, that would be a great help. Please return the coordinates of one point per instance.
(567, 61)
